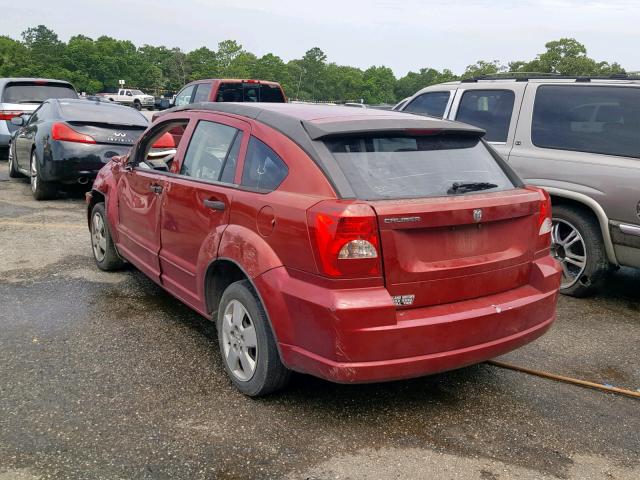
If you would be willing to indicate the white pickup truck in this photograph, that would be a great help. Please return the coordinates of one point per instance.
(131, 97)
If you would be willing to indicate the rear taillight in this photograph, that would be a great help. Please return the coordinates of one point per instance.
(345, 239)
(544, 220)
(9, 114)
(64, 133)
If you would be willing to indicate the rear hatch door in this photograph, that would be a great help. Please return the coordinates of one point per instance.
(448, 249)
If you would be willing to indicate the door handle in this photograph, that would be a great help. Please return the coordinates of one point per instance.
(214, 204)
(156, 188)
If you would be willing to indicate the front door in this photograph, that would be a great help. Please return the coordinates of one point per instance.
(139, 199)
(197, 203)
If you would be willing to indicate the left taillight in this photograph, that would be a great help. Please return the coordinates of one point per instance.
(64, 133)
(545, 223)
(345, 239)
(9, 114)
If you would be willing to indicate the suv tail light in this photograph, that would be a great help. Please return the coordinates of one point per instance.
(9, 114)
(544, 221)
(345, 239)
(64, 133)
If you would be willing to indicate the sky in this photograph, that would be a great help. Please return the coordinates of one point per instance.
(403, 35)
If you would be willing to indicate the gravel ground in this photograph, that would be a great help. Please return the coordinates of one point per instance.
(105, 376)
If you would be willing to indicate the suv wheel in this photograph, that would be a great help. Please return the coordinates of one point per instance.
(40, 189)
(104, 250)
(576, 242)
(13, 169)
(248, 349)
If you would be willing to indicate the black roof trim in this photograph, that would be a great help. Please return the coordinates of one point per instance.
(526, 76)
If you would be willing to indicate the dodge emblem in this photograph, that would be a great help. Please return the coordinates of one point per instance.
(477, 214)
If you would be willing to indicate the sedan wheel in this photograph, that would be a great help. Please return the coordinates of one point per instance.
(568, 247)
(34, 173)
(13, 170)
(240, 346)
(98, 237)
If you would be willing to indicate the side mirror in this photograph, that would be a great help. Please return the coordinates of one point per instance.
(18, 121)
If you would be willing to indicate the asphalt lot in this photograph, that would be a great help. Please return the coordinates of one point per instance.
(105, 376)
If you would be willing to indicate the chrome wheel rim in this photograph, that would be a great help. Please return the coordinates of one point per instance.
(10, 159)
(98, 237)
(34, 173)
(568, 247)
(239, 342)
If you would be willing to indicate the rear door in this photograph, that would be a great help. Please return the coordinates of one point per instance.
(493, 108)
(197, 202)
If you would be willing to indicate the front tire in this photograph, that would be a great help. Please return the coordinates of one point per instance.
(104, 250)
(40, 189)
(13, 169)
(247, 345)
(137, 106)
(577, 243)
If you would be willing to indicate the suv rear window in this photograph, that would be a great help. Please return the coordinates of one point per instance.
(488, 109)
(388, 167)
(249, 92)
(31, 92)
(603, 120)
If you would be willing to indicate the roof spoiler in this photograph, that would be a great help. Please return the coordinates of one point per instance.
(399, 127)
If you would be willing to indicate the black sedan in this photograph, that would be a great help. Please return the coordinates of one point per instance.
(67, 141)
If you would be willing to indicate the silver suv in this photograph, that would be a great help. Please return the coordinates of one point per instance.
(21, 96)
(579, 138)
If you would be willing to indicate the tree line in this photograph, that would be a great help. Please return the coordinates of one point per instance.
(97, 65)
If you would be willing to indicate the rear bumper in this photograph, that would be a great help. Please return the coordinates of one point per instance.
(72, 161)
(357, 335)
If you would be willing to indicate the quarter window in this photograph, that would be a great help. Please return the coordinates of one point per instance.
(592, 119)
(202, 93)
(488, 109)
(208, 151)
(263, 168)
(432, 104)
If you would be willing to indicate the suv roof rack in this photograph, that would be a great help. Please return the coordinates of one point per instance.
(526, 76)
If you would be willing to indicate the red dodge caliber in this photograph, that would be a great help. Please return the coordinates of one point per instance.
(357, 246)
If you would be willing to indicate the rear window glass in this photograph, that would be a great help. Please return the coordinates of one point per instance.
(29, 92)
(602, 120)
(93, 112)
(488, 109)
(432, 104)
(413, 167)
(249, 92)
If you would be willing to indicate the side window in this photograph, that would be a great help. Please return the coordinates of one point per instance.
(202, 93)
(263, 169)
(159, 145)
(129, 94)
(184, 96)
(488, 109)
(208, 150)
(432, 104)
(590, 119)
(35, 116)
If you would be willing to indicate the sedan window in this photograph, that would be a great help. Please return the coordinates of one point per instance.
(208, 150)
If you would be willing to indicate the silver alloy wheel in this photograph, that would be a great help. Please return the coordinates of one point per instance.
(34, 172)
(568, 247)
(10, 159)
(239, 342)
(98, 237)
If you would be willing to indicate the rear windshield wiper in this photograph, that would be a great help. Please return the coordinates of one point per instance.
(462, 187)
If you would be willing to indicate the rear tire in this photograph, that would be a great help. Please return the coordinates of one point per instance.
(104, 250)
(247, 345)
(577, 243)
(40, 189)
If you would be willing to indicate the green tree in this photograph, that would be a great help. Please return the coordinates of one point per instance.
(483, 67)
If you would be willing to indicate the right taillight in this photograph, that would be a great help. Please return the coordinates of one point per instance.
(345, 239)
(544, 220)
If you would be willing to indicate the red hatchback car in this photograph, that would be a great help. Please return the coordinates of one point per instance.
(357, 246)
